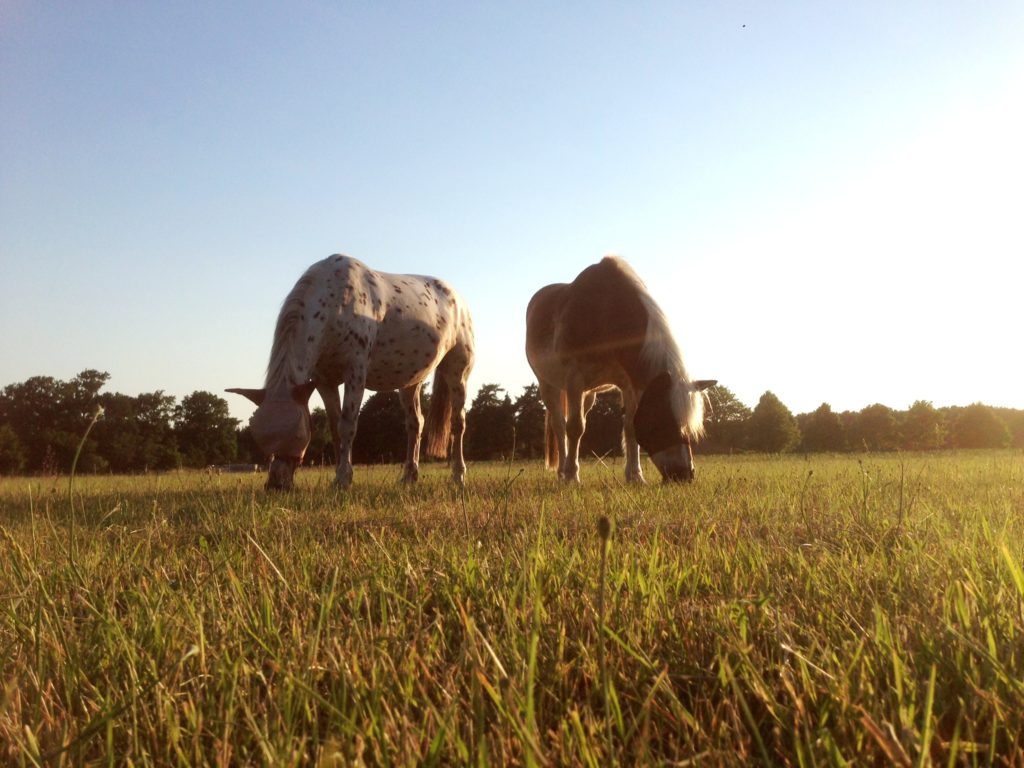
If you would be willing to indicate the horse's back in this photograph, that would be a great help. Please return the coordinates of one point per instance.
(599, 313)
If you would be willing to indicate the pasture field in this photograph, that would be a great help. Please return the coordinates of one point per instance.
(823, 610)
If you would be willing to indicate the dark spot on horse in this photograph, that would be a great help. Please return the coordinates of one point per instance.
(310, 339)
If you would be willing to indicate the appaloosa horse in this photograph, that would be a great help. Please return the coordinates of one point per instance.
(604, 330)
(344, 323)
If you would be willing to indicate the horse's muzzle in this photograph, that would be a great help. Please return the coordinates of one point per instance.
(678, 475)
(281, 475)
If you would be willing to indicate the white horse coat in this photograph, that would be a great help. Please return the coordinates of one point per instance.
(344, 323)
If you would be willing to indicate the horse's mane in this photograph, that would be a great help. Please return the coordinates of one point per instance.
(661, 353)
(287, 356)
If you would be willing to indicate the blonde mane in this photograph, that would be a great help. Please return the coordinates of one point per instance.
(661, 353)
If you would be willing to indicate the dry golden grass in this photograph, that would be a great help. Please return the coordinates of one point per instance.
(791, 611)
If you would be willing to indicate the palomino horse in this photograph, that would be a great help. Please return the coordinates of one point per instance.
(344, 323)
(604, 330)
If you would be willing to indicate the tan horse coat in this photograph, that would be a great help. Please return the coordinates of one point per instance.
(604, 330)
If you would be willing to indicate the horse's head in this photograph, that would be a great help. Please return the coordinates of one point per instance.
(281, 428)
(660, 429)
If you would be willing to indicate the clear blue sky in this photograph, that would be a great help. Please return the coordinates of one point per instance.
(827, 199)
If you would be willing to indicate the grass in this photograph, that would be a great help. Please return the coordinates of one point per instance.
(784, 611)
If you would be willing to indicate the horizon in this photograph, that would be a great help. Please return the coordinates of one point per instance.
(824, 201)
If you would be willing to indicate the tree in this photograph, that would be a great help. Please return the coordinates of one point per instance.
(320, 450)
(50, 416)
(490, 424)
(247, 451)
(772, 427)
(821, 430)
(875, 429)
(529, 422)
(380, 432)
(205, 430)
(922, 427)
(603, 433)
(12, 455)
(1014, 421)
(136, 433)
(979, 427)
(725, 421)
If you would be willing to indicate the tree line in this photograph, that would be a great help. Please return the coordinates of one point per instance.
(43, 419)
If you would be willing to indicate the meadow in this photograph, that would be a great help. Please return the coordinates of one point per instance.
(806, 611)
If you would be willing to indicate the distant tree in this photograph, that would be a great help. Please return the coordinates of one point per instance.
(31, 408)
(49, 416)
(603, 433)
(136, 433)
(490, 424)
(81, 395)
(12, 455)
(922, 427)
(529, 422)
(247, 450)
(158, 446)
(320, 450)
(205, 430)
(772, 427)
(821, 430)
(1014, 421)
(979, 427)
(875, 429)
(725, 421)
(380, 432)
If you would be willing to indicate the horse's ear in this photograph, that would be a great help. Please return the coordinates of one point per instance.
(256, 395)
(302, 392)
(701, 384)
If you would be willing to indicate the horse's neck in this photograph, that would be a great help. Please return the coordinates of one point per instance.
(297, 337)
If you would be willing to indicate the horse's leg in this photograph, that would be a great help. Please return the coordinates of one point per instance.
(457, 385)
(332, 404)
(410, 399)
(575, 423)
(554, 418)
(634, 473)
(347, 425)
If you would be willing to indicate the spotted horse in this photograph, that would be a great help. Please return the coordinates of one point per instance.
(601, 331)
(344, 323)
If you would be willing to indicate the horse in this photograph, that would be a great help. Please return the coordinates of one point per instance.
(605, 331)
(344, 323)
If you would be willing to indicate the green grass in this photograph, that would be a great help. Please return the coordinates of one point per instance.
(787, 611)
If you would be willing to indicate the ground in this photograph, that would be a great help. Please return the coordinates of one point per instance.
(786, 610)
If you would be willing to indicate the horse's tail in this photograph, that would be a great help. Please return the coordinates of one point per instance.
(438, 424)
(550, 438)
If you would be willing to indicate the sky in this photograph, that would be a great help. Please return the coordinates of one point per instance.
(827, 199)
